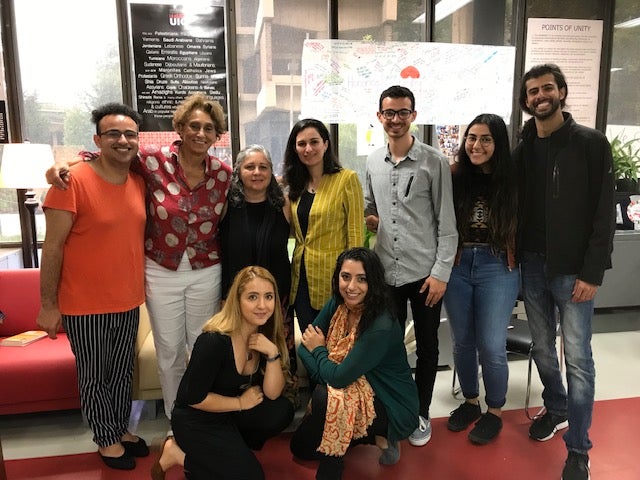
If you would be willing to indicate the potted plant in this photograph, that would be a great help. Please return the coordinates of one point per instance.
(626, 163)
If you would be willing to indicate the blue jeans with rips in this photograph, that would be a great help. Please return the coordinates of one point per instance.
(543, 292)
(479, 300)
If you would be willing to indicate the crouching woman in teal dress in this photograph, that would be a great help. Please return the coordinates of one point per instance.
(354, 352)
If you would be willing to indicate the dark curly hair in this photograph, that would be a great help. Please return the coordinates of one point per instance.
(539, 71)
(236, 189)
(503, 198)
(296, 174)
(378, 298)
(114, 109)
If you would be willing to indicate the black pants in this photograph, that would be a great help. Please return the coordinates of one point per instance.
(219, 445)
(306, 439)
(426, 321)
(304, 311)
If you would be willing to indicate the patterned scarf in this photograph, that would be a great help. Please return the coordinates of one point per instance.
(350, 410)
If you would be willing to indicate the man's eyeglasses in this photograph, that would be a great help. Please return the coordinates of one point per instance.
(485, 140)
(116, 134)
(403, 113)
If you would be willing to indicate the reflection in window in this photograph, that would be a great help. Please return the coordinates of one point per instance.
(623, 117)
(269, 62)
(69, 64)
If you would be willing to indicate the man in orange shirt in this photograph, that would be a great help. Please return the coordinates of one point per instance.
(92, 279)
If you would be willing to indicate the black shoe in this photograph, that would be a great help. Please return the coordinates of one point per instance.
(545, 427)
(330, 468)
(486, 429)
(123, 462)
(576, 467)
(136, 449)
(463, 416)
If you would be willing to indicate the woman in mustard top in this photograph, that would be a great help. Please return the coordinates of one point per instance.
(327, 215)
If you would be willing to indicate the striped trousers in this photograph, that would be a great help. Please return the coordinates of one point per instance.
(104, 345)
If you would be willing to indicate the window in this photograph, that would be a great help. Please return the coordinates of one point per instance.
(397, 21)
(69, 64)
(479, 22)
(623, 116)
(269, 57)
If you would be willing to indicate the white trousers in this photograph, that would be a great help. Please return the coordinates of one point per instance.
(179, 303)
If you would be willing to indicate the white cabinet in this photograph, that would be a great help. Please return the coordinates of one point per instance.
(10, 258)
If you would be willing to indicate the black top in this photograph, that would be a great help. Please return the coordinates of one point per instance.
(478, 232)
(304, 209)
(255, 234)
(534, 226)
(212, 368)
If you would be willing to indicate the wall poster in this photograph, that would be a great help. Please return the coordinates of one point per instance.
(575, 46)
(178, 49)
(342, 80)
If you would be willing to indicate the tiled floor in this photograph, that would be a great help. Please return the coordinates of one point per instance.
(616, 346)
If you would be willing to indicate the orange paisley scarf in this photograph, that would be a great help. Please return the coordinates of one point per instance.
(350, 410)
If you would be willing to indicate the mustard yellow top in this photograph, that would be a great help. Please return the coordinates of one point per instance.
(336, 222)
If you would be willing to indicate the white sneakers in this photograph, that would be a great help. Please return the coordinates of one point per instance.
(422, 434)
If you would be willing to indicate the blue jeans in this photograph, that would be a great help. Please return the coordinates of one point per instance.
(544, 292)
(479, 300)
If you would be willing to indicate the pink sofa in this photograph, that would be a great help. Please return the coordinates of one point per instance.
(40, 376)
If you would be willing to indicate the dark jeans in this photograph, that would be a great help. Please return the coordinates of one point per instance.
(426, 321)
(543, 292)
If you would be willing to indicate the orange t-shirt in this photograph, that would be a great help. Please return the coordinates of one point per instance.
(103, 265)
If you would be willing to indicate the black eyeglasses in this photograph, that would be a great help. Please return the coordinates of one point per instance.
(485, 140)
(403, 113)
(116, 134)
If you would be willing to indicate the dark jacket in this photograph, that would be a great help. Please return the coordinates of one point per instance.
(579, 207)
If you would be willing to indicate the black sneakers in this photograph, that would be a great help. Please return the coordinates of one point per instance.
(486, 429)
(463, 416)
(576, 467)
(545, 427)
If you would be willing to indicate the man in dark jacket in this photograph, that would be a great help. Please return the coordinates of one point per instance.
(566, 229)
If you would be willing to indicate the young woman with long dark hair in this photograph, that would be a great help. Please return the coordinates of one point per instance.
(484, 282)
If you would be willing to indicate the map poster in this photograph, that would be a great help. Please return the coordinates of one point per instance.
(575, 46)
(178, 50)
(342, 79)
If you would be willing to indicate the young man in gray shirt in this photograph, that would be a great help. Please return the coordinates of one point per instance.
(409, 203)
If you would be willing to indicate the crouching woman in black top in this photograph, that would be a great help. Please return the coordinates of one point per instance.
(229, 401)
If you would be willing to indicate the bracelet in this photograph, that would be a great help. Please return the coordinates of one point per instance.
(239, 404)
(273, 359)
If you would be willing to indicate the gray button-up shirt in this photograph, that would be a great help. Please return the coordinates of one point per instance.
(413, 199)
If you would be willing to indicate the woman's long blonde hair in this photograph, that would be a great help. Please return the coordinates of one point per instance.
(229, 320)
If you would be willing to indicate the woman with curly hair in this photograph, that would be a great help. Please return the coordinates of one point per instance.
(255, 228)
